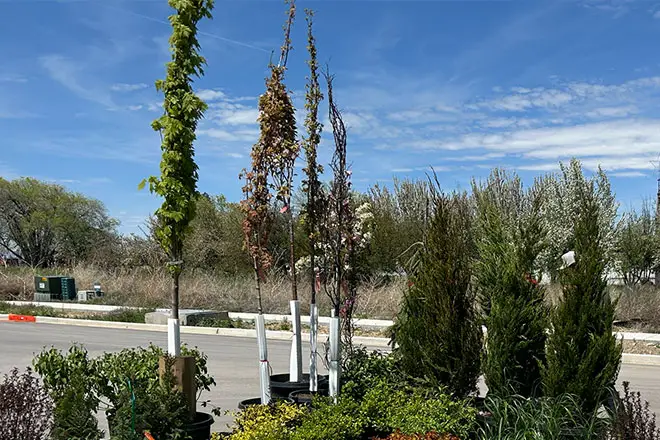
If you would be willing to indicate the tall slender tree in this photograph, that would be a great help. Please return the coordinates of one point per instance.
(583, 355)
(510, 237)
(311, 184)
(281, 149)
(183, 109)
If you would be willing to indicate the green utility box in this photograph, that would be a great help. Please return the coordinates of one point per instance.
(56, 288)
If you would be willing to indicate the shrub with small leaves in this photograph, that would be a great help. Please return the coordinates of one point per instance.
(416, 411)
(26, 410)
(330, 421)
(267, 422)
(634, 420)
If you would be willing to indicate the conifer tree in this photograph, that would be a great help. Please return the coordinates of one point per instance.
(437, 332)
(583, 355)
(510, 237)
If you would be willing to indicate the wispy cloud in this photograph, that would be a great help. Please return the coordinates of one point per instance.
(66, 72)
(12, 78)
(124, 87)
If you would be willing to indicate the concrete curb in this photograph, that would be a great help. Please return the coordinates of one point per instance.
(210, 331)
(628, 358)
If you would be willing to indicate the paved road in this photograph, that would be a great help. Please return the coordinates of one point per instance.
(232, 361)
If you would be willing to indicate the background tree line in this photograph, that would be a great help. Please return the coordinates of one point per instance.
(44, 226)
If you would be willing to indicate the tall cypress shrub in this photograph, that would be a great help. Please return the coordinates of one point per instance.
(510, 237)
(583, 355)
(437, 332)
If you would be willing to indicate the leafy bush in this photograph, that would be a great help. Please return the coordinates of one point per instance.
(415, 411)
(156, 407)
(267, 422)
(437, 332)
(520, 418)
(26, 409)
(71, 382)
(363, 370)
(80, 383)
(75, 417)
(330, 421)
(633, 420)
(583, 355)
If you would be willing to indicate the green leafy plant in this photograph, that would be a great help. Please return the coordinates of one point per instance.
(583, 355)
(510, 237)
(153, 406)
(415, 411)
(437, 333)
(71, 382)
(363, 370)
(26, 409)
(276, 421)
(183, 109)
(329, 420)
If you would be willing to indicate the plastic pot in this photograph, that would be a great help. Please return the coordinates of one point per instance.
(200, 427)
(304, 397)
(281, 387)
(257, 401)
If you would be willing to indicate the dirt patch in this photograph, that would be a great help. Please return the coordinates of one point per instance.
(641, 347)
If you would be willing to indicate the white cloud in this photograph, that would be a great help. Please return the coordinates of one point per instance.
(236, 155)
(12, 78)
(210, 95)
(243, 135)
(123, 87)
(629, 174)
(612, 112)
(66, 72)
(134, 108)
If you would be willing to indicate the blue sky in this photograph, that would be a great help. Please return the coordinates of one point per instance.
(462, 86)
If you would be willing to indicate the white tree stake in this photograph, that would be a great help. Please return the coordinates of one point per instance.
(313, 335)
(264, 371)
(335, 350)
(173, 337)
(295, 362)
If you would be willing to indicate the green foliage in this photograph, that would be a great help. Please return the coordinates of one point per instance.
(111, 378)
(153, 406)
(267, 422)
(519, 418)
(446, 353)
(401, 217)
(583, 355)
(332, 421)
(74, 415)
(177, 183)
(363, 370)
(214, 241)
(43, 224)
(415, 411)
(70, 381)
(510, 237)
(636, 246)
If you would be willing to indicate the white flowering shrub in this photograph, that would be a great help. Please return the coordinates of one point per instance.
(562, 206)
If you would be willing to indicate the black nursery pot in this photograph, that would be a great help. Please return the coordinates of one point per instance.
(281, 387)
(200, 427)
(257, 401)
(304, 397)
